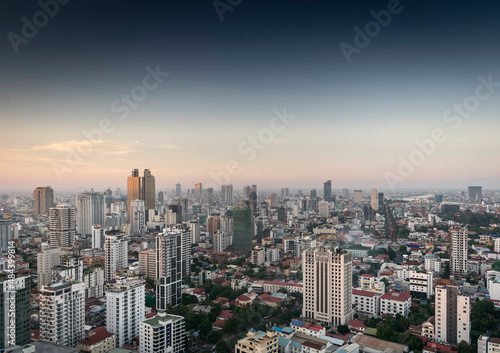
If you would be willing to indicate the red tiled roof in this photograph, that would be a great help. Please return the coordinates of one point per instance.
(356, 323)
(99, 334)
(365, 275)
(364, 293)
(401, 297)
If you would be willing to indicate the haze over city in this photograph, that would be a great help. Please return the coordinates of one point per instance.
(355, 114)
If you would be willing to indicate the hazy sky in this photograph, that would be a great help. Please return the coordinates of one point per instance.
(226, 81)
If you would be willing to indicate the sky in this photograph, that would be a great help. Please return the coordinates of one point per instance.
(385, 94)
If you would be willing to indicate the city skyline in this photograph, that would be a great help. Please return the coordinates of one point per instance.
(210, 85)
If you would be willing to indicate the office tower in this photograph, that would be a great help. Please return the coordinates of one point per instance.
(141, 188)
(125, 309)
(242, 229)
(374, 200)
(285, 192)
(46, 260)
(93, 278)
(62, 313)
(327, 190)
(43, 200)
(115, 255)
(213, 225)
(134, 189)
(314, 193)
(274, 200)
(97, 237)
(108, 197)
(264, 209)
(178, 190)
(163, 333)
(208, 195)
(90, 210)
(345, 193)
(493, 195)
(147, 263)
(198, 194)
(380, 201)
(5, 234)
(438, 198)
(195, 231)
(358, 196)
(246, 191)
(475, 193)
(137, 217)
(160, 197)
(177, 209)
(281, 214)
(62, 226)
(227, 193)
(168, 269)
(324, 209)
(327, 285)
(18, 288)
(452, 323)
(149, 191)
(459, 252)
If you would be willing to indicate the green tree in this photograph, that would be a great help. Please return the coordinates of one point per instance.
(464, 347)
(385, 332)
(343, 329)
(412, 341)
(189, 299)
(221, 347)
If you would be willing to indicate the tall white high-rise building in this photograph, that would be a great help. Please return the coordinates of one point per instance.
(62, 226)
(125, 309)
(324, 209)
(46, 260)
(90, 211)
(69, 269)
(62, 313)
(452, 323)
(195, 231)
(374, 200)
(327, 285)
(226, 192)
(97, 237)
(116, 255)
(168, 269)
(459, 252)
(5, 234)
(137, 217)
(221, 240)
(163, 333)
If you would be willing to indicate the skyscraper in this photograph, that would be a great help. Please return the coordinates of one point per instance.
(5, 234)
(374, 200)
(62, 226)
(475, 193)
(115, 255)
(46, 260)
(324, 209)
(274, 200)
(327, 190)
(327, 285)
(314, 194)
(90, 211)
(452, 323)
(358, 196)
(198, 191)
(242, 229)
(43, 199)
(149, 192)
(459, 252)
(345, 193)
(62, 313)
(227, 193)
(285, 192)
(125, 309)
(178, 190)
(98, 237)
(381, 201)
(168, 269)
(141, 188)
(137, 217)
(18, 288)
